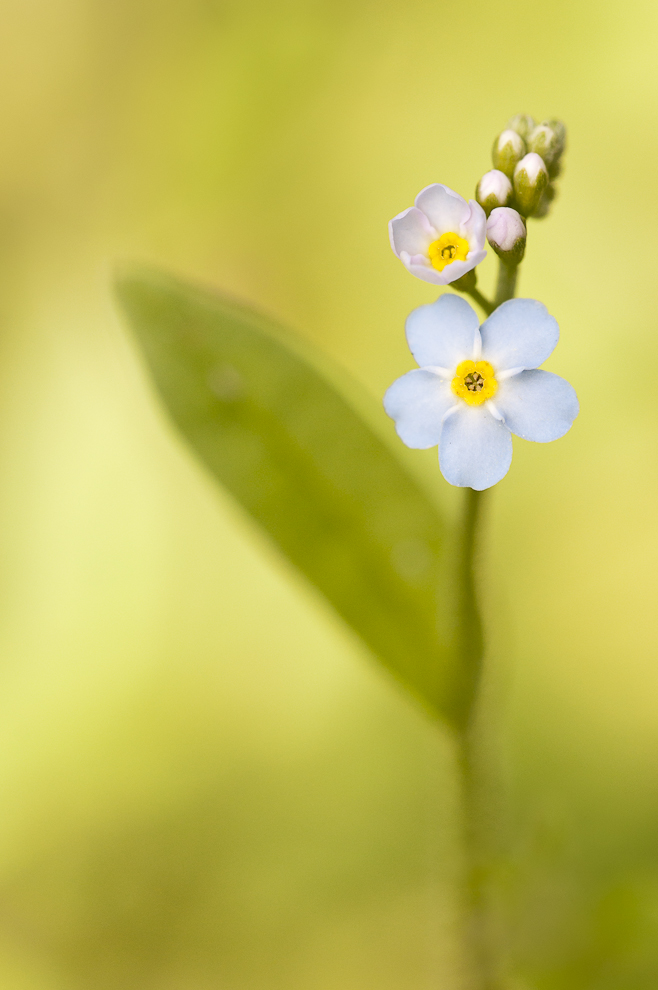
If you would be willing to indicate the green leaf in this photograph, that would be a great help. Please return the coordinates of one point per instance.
(290, 438)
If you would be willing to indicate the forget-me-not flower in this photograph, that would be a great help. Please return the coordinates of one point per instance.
(476, 385)
(441, 237)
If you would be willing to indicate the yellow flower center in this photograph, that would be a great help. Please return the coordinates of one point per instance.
(474, 382)
(449, 247)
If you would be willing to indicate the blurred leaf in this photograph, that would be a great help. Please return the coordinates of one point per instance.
(271, 420)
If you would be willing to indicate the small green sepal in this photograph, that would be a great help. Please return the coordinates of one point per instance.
(508, 149)
(547, 144)
(530, 181)
(545, 203)
(523, 124)
(494, 189)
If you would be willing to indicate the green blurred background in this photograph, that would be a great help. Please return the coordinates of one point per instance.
(206, 782)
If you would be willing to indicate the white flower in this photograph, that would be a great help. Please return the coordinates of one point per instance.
(478, 385)
(441, 237)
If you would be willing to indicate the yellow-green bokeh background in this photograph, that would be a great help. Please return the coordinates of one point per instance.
(205, 780)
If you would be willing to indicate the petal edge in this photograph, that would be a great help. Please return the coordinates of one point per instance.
(444, 332)
(417, 403)
(537, 405)
(521, 333)
(475, 449)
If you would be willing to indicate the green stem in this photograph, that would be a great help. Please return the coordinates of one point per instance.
(478, 951)
(476, 936)
(470, 623)
(467, 285)
(480, 954)
(506, 286)
(477, 940)
(487, 306)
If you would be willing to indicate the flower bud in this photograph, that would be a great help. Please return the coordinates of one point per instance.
(546, 143)
(554, 166)
(522, 124)
(507, 150)
(546, 201)
(494, 189)
(530, 180)
(507, 234)
(560, 130)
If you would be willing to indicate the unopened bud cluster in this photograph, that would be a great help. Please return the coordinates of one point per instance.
(527, 160)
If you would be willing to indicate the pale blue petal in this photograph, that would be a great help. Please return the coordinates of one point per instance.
(445, 209)
(417, 402)
(537, 405)
(475, 450)
(443, 333)
(519, 334)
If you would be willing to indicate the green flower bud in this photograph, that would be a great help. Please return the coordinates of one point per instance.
(522, 124)
(506, 233)
(560, 130)
(494, 189)
(546, 201)
(530, 181)
(554, 165)
(546, 142)
(508, 149)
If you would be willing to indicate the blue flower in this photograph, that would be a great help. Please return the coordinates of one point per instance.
(476, 385)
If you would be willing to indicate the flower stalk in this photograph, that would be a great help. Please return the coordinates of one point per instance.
(475, 386)
(506, 284)
(483, 303)
(479, 949)
(468, 285)
(477, 939)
